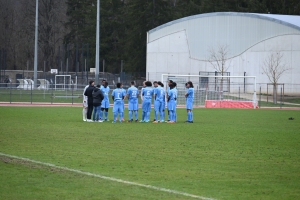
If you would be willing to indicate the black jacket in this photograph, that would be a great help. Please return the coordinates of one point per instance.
(89, 93)
(97, 97)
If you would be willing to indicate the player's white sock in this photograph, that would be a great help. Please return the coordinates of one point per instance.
(84, 113)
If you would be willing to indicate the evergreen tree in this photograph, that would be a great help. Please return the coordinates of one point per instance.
(141, 16)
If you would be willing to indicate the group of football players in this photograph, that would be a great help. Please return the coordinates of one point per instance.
(162, 99)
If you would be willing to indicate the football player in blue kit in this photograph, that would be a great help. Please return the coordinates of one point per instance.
(133, 103)
(118, 97)
(159, 98)
(189, 101)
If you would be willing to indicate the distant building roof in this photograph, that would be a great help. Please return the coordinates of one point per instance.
(289, 20)
(240, 31)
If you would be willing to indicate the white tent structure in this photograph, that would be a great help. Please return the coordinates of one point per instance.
(182, 46)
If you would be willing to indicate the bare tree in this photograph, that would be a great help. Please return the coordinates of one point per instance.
(274, 67)
(219, 58)
(220, 62)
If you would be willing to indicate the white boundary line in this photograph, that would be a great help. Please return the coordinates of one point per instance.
(108, 178)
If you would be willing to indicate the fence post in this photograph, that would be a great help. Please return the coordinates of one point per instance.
(239, 93)
(31, 93)
(280, 97)
(10, 93)
(52, 94)
(259, 102)
(72, 93)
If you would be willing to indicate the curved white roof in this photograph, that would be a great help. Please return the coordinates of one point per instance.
(240, 31)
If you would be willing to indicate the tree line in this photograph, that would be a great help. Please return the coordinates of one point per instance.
(67, 29)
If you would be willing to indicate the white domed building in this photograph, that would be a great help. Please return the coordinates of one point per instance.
(183, 46)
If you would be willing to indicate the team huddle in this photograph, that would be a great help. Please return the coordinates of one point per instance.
(96, 102)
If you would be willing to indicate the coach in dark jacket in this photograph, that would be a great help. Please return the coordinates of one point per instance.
(89, 93)
(97, 99)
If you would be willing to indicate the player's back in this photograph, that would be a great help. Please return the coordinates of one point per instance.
(118, 94)
(133, 93)
(172, 94)
(160, 94)
(148, 93)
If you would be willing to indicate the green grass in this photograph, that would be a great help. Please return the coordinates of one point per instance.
(292, 100)
(225, 154)
(271, 104)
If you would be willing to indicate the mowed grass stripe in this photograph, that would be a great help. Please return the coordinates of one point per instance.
(106, 177)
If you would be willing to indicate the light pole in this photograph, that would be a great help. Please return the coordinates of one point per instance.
(97, 43)
(36, 43)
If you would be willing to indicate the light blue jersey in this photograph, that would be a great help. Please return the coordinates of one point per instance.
(159, 103)
(189, 104)
(190, 93)
(105, 101)
(147, 93)
(147, 97)
(159, 93)
(133, 93)
(118, 95)
(172, 104)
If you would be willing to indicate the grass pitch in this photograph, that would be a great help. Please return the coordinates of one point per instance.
(225, 154)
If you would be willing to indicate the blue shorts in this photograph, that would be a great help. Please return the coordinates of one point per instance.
(118, 107)
(146, 106)
(159, 106)
(105, 104)
(133, 105)
(172, 105)
(189, 105)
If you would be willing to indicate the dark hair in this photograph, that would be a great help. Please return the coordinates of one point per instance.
(171, 85)
(103, 80)
(106, 83)
(162, 85)
(98, 86)
(90, 82)
(174, 84)
(170, 81)
(148, 84)
(119, 85)
(155, 82)
(159, 83)
(191, 84)
(132, 82)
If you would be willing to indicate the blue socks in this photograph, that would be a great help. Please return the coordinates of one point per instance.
(130, 115)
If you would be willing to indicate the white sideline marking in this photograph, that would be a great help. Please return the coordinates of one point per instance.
(109, 178)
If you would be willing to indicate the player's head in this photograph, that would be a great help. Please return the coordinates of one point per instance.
(148, 84)
(160, 84)
(91, 83)
(105, 84)
(186, 85)
(171, 85)
(155, 84)
(98, 86)
(119, 85)
(144, 83)
(174, 84)
(132, 83)
(190, 84)
(170, 82)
